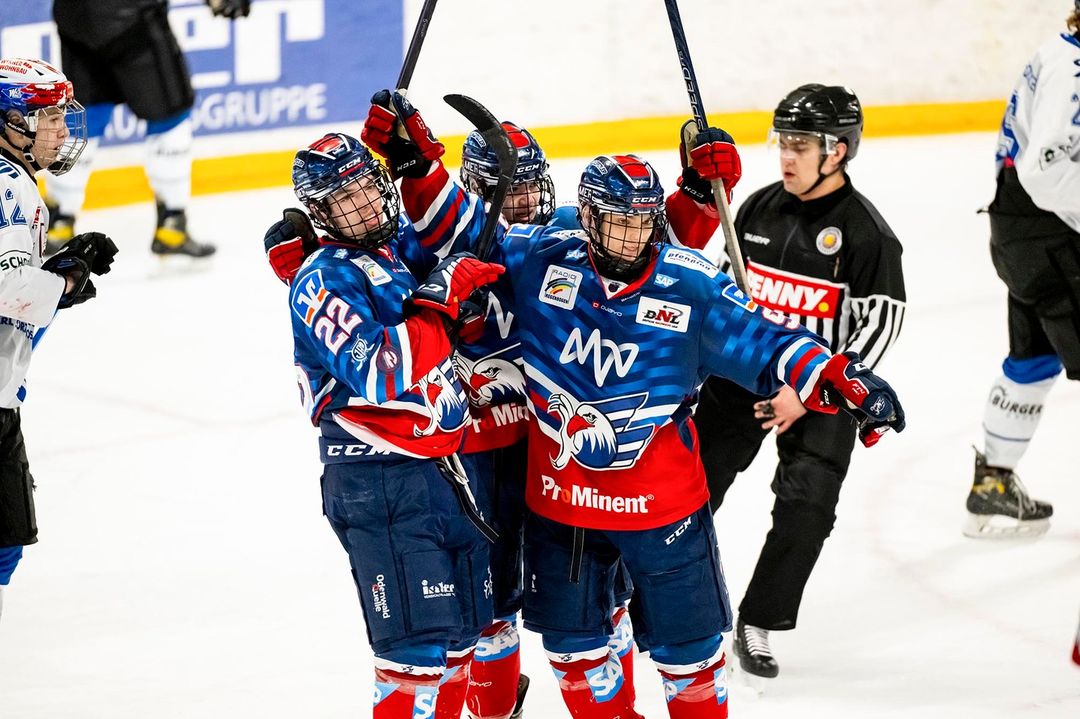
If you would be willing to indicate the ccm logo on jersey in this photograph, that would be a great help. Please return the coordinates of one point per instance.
(560, 287)
(665, 315)
(788, 292)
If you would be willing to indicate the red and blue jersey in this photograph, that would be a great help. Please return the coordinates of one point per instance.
(612, 372)
(488, 365)
(388, 381)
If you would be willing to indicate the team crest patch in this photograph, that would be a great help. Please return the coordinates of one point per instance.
(388, 359)
(733, 293)
(375, 274)
(560, 287)
(665, 315)
(829, 241)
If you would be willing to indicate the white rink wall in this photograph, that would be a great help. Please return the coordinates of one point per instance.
(574, 61)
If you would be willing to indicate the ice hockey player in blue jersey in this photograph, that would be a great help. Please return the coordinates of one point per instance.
(531, 199)
(373, 358)
(623, 330)
(41, 127)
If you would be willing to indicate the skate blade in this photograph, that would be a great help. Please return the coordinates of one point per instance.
(996, 526)
(746, 684)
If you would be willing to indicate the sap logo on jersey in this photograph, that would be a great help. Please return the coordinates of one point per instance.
(560, 287)
(424, 703)
(664, 281)
(665, 315)
(606, 680)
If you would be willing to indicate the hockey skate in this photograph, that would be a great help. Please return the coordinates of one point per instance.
(999, 506)
(171, 237)
(61, 228)
(523, 687)
(756, 662)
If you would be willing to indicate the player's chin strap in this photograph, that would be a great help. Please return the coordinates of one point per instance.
(454, 473)
(26, 152)
(821, 176)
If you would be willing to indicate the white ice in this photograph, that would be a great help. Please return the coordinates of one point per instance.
(184, 568)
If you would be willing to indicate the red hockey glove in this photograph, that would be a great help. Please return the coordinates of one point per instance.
(452, 282)
(288, 242)
(410, 155)
(712, 156)
(846, 383)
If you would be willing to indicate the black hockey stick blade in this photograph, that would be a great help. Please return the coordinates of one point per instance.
(494, 135)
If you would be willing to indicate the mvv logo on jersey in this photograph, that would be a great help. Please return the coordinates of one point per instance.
(665, 315)
(789, 292)
(560, 287)
(604, 354)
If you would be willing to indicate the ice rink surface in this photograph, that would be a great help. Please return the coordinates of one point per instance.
(184, 568)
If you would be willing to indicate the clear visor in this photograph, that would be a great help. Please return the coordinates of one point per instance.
(798, 143)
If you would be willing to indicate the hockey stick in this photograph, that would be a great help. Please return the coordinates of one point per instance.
(495, 136)
(731, 240)
(409, 64)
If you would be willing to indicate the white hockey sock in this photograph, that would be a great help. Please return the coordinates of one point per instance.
(1013, 411)
(168, 165)
(69, 189)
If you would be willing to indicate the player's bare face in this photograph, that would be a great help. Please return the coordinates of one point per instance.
(800, 156)
(625, 236)
(522, 202)
(357, 209)
(49, 136)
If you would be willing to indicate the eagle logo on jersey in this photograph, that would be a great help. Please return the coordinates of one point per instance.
(446, 408)
(598, 435)
(490, 380)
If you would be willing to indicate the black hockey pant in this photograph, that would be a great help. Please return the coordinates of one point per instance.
(814, 457)
(18, 525)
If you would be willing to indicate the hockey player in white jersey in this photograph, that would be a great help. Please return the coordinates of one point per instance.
(1035, 246)
(41, 127)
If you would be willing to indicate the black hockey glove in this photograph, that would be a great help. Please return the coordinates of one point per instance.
(71, 267)
(95, 249)
(231, 9)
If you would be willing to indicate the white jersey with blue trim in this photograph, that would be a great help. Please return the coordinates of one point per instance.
(28, 294)
(612, 372)
(1040, 133)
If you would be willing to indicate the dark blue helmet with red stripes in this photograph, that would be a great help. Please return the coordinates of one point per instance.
(348, 191)
(532, 194)
(621, 203)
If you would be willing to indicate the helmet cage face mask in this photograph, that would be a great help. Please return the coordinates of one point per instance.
(348, 192)
(364, 211)
(32, 94)
(612, 190)
(480, 175)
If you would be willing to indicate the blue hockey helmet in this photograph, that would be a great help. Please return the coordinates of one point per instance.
(37, 99)
(532, 195)
(621, 203)
(348, 191)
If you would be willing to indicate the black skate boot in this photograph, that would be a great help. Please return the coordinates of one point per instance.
(752, 649)
(61, 228)
(523, 686)
(999, 506)
(171, 236)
